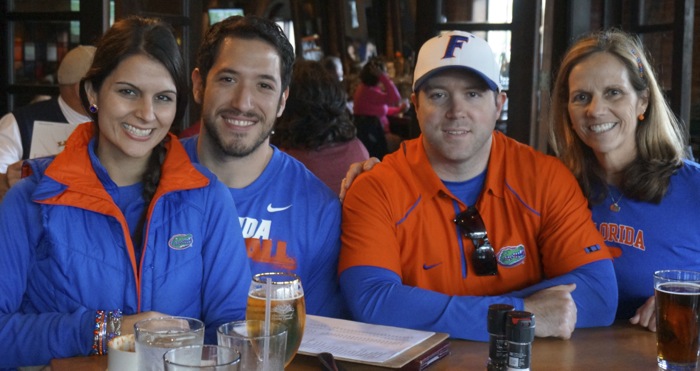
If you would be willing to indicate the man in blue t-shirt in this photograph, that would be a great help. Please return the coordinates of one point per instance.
(290, 219)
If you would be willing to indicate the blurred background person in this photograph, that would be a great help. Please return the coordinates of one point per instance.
(361, 51)
(169, 240)
(374, 99)
(315, 126)
(612, 127)
(334, 66)
(17, 127)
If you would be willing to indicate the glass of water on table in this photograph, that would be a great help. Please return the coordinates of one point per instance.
(155, 336)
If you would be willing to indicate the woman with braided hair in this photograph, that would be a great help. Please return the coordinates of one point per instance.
(120, 226)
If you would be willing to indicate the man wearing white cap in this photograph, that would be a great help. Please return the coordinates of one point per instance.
(464, 217)
(17, 127)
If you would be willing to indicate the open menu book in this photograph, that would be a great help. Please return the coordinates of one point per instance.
(383, 346)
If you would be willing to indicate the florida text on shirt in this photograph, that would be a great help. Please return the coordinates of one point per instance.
(261, 248)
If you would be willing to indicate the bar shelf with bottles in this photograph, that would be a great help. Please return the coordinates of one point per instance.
(38, 33)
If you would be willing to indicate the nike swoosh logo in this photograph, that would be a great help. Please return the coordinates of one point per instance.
(276, 209)
(426, 266)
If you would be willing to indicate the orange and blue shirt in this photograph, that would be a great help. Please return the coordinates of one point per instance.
(398, 217)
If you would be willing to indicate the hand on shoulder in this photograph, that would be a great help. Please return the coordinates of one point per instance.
(355, 169)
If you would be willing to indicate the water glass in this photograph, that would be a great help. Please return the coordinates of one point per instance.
(201, 358)
(155, 336)
(248, 338)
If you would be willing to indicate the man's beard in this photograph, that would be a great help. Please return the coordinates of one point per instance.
(236, 147)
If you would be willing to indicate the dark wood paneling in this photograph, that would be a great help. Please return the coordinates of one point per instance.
(524, 69)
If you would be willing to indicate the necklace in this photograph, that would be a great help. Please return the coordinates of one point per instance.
(615, 206)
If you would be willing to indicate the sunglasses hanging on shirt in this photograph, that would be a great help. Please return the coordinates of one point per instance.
(472, 227)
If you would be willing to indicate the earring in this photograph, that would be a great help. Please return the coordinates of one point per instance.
(641, 117)
(93, 108)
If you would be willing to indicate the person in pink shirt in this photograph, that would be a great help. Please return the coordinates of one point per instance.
(377, 96)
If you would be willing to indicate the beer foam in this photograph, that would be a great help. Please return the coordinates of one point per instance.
(679, 288)
(276, 296)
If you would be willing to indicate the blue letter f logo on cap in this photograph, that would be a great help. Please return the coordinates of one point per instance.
(456, 41)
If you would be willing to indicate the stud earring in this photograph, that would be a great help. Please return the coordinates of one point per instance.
(93, 108)
(641, 117)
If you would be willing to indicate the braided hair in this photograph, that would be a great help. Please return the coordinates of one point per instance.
(154, 38)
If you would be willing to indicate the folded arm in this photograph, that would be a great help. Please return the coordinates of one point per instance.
(377, 295)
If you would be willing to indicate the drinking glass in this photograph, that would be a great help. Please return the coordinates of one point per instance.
(249, 339)
(677, 295)
(201, 358)
(155, 336)
(287, 305)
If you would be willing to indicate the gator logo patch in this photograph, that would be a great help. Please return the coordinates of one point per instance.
(511, 255)
(180, 241)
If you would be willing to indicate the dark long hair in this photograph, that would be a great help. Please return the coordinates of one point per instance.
(132, 36)
(138, 35)
(316, 113)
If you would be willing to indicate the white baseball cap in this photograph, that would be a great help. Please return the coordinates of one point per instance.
(75, 64)
(456, 49)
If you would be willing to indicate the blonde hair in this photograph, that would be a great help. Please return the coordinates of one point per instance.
(660, 142)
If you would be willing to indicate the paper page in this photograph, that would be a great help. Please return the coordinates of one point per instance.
(49, 138)
(357, 341)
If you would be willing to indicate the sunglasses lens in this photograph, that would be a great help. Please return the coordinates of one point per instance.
(484, 261)
(471, 223)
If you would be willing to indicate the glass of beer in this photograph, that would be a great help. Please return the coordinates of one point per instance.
(677, 295)
(287, 306)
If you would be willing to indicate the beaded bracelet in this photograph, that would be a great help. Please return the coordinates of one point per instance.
(98, 332)
(107, 326)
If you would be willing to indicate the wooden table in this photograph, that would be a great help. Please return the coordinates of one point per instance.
(619, 347)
